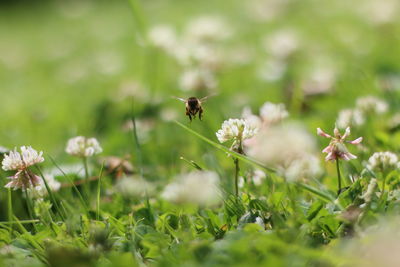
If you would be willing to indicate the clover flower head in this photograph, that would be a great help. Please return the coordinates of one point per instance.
(236, 130)
(367, 196)
(206, 29)
(350, 117)
(21, 160)
(383, 161)
(336, 148)
(39, 191)
(198, 187)
(368, 104)
(83, 147)
(197, 79)
(273, 113)
(163, 36)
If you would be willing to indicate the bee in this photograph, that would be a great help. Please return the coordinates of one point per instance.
(194, 106)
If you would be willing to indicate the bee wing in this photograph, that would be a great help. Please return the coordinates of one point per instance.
(179, 98)
(204, 99)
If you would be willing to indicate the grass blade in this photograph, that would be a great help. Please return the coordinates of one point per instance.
(226, 150)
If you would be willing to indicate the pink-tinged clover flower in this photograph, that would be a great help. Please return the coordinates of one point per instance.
(337, 148)
(20, 162)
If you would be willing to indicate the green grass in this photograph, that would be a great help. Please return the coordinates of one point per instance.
(62, 67)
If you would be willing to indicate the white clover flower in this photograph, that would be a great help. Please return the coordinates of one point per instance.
(207, 29)
(20, 162)
(3, 150)
(273, 113)
(39, 191)
(163, 36)
(302, 168)
(198, 187)
(282, 43)
(371, 104)
(253, 120)
(394, 122)
(285, 147)
(272, 70)
(350, 118)
(236, 130)
(337, 148)
(134, 187)
(379, 12)
(83, 147)
(367, 196)
(197, 79)
(383, 161)
(258, 177)
(319, 81)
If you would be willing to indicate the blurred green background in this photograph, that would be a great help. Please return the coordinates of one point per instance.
(63, 64)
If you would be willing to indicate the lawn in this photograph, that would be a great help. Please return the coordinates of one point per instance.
(105, 161)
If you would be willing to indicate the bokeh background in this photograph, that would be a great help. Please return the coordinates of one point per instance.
(65, 65)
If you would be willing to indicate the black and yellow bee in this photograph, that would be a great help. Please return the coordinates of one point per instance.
(194, 106)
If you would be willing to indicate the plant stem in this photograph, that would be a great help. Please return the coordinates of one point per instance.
(87, 187)
(98, 193)
(383, 183)
(29, 205)
(339, 177)
(9, 208)
(237, 169)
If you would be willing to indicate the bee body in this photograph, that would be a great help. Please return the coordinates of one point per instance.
(193, 106)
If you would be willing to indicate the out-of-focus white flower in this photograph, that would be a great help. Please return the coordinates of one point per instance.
(394, 122)
(39, 191)
(197, 79)
(198, 187)
(134, 187)
(68, 169)
(266, 10)
(336, 148)
(380, 12)
(302, 168)
(383, 161)
(253, 120)
(273, 113)
(378, 245)
(320, 81)
(272, 70)
(163, 36)
(207, 29)
(371, 104)
(258, 177)
(20, 162)
(367, 196)
(237, 130)
(282, 43)
(81, 146)
(350, 118)
(284, 147)
(3, 150)
(132, 89)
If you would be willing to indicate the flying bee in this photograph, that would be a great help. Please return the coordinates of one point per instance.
(194, 106)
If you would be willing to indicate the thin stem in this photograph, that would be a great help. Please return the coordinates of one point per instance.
(99, 192)
(9, 208)
(237, 169)
(339, 177)
(383, 182)
(87, 186)
(29, 205)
